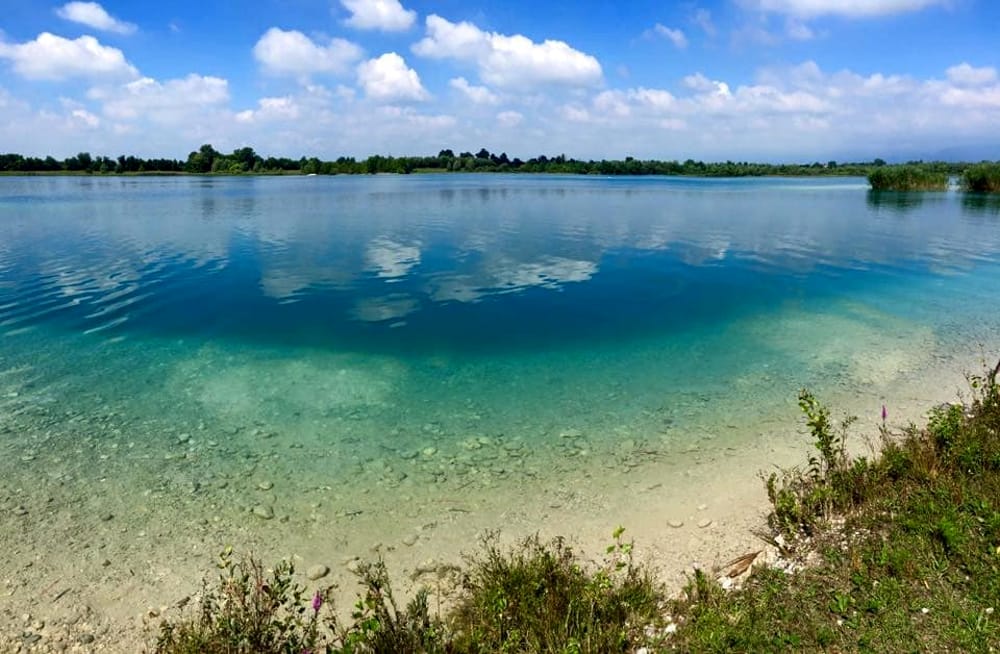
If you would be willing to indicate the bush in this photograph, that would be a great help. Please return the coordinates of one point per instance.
(247, 613)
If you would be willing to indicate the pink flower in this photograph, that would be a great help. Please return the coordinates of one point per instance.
(885, 414)
(317, 602)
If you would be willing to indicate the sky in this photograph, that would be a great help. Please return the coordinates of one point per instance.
(716, 80)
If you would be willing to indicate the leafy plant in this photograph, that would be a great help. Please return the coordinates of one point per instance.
(250, 611)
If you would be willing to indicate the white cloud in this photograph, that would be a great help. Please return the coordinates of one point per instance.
(675, 36)
(93, 15)
(385, 15)
(703, 19)
(966, 75)
(848, 8)
(477, 94)
(700, 83)
(388, 79)
(657, 99)
(290, 52)
(52, 57)
(85, 118)
(171, 102)
(283, 108)
(510, 118)
(509, 61)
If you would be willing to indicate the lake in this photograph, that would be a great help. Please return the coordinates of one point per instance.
(330, 367)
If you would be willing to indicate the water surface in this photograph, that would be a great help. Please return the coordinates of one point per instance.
(170, 348)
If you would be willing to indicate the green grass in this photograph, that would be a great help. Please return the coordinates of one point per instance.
(903, 555)
(982, 178)
(914, 566)
(539, 598)
(907, 177)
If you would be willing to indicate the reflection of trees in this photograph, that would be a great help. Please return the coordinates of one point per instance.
(895, 201)
(981, 203)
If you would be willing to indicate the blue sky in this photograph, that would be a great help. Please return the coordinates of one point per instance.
(773, 80)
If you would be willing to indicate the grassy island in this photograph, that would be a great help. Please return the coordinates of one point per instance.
(908, 177)
(899, 552)
(982, 178)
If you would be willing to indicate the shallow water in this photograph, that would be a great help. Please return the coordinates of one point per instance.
(346, 352)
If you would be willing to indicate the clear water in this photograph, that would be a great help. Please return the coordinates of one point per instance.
(170, 347)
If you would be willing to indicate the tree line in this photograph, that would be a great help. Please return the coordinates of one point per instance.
(207, 160)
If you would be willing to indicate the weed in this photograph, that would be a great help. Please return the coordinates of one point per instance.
(537, 597)
(250, 611)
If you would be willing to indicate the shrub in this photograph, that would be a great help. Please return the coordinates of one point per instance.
(248, 612)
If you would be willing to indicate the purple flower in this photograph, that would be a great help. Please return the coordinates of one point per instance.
(885, 414)
(317, 601)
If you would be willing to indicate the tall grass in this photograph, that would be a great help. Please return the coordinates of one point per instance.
(909, 177)
(982, 178)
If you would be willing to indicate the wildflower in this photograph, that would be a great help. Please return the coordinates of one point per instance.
(317, 602)
(885, 414)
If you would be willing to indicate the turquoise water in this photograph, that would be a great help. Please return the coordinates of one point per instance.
(181, 351)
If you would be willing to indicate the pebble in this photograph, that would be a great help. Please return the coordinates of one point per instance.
(411, 540)
(676, 524)
(265, 485)
(263, 511)
(704, 523)
(702, 507)
(317, 572)
(106, 517)
(429, 451)
(20, 511)
(87, 639)
(353, 565)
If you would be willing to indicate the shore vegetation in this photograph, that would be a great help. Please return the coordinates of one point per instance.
(982, 178)
(894, 552)
(909, 177)
(207, 160)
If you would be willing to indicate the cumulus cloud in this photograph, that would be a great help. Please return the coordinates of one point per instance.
(848, 8)
(965, 75)
(51, 57)
(509, 61)
(385, 15)
(510, 118)
(675, 36)
(85, 118)
(290, 52)
(476, 94)
(389, 79)
(169, 102)
(283, 108)
(93, 15)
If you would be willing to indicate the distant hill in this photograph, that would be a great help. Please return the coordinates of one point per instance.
(976, 152)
